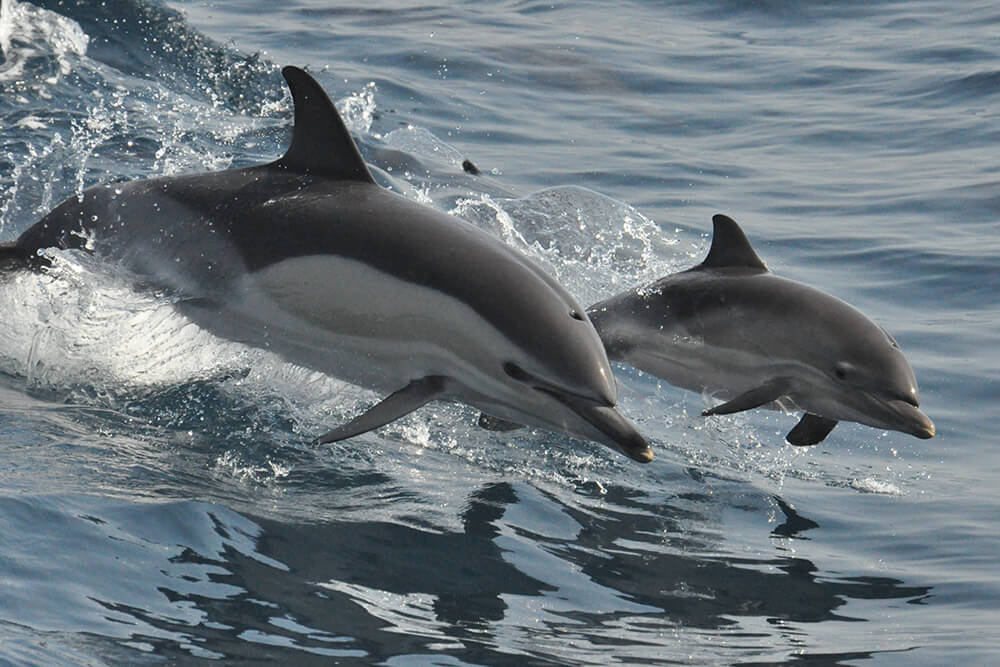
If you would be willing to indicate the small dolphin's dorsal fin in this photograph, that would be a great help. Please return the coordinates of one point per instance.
(321, 144)
(730, 247)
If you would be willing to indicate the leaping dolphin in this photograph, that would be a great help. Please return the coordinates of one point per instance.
(309, 258)
(731, 327)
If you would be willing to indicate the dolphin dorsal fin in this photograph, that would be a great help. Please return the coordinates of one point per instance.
(730, 247)
(321, 143)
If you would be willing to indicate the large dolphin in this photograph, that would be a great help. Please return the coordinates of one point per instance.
(734, 329)
(309, 258)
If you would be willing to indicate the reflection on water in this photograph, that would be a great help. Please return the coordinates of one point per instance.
(195, 579)
(794, 522)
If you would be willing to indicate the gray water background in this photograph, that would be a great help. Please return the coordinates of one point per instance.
(158, 498)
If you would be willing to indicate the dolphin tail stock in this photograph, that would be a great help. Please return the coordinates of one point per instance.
(397, 404)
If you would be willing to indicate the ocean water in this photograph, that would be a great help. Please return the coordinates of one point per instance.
(159, 498)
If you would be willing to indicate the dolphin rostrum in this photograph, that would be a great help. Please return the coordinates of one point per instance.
(309, 258)
(734, 329)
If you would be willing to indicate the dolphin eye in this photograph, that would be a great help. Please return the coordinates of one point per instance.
(514, 371)
(840, 371)
(576, 315)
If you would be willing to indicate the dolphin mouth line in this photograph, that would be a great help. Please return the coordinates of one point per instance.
(617, 431)
(608, 421)
(908, 416)
(538, 384)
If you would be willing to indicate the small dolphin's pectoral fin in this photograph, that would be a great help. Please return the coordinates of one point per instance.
(321, 143)
(398, 404)
(810, 430)
(762, 395)
(491, 423)
(730, 247)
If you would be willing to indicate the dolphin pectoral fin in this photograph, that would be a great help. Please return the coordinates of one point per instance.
(810, 430)
(398, 404)
(762, 395)
(491, 423)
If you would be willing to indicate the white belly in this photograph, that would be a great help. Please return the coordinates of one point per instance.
(346, 319)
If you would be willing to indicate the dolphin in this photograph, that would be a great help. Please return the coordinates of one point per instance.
(732, 328)
(308, 257)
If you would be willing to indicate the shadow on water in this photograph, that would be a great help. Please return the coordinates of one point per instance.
(194, 579)
(794, 522)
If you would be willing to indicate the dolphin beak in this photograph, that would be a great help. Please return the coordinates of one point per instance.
(616, 431)
(924, 428)
(911, 419)
(613, 429)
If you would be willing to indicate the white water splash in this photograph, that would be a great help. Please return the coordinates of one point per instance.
(358, 109)
(235, 464)
(593, 244)
(423, 143)
(29, 32)
(79, 324)
(874, 485)
(6, 12)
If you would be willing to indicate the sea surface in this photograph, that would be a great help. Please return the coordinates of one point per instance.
(160, 502)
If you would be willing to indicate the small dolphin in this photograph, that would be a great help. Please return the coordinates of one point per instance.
(309, 258)
(731, 327)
